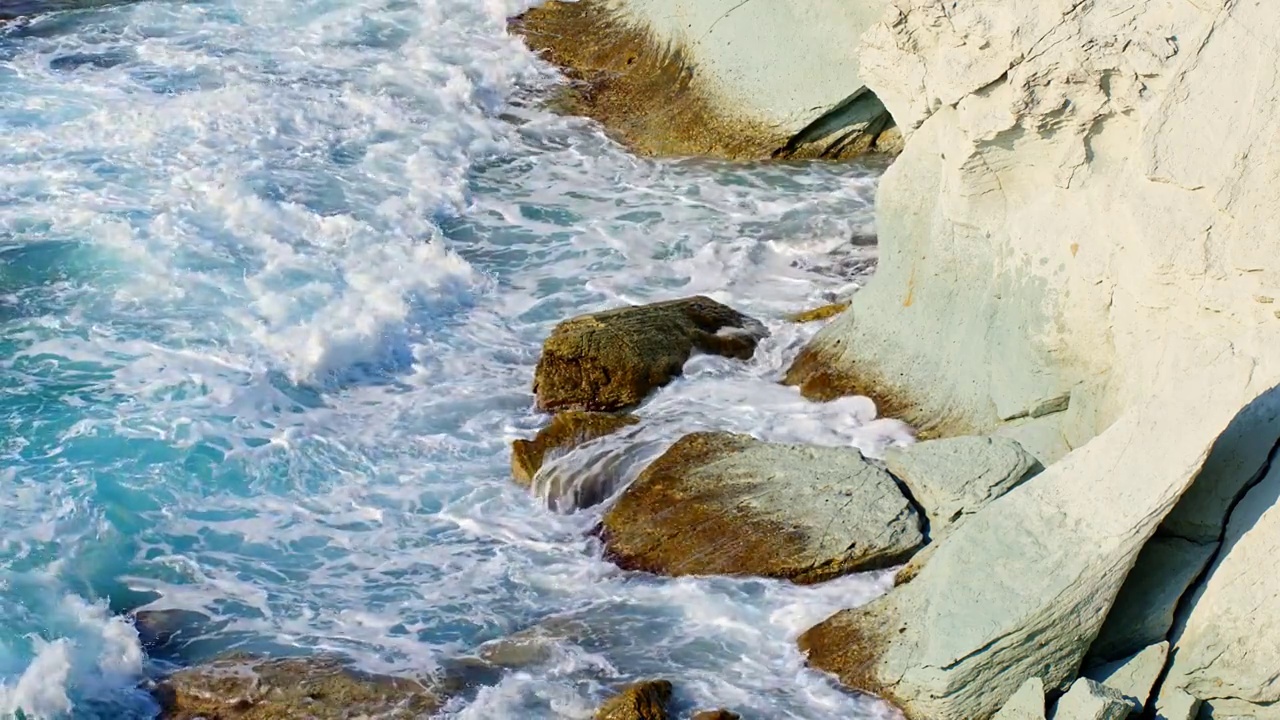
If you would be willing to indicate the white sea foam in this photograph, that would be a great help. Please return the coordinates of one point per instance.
(92, 654)
(274, 284)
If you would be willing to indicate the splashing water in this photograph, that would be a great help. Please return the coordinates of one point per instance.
(273, 279)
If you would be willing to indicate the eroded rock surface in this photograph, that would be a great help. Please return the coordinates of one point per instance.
(566, 431)
(1143, 611)
(955, 477)
(717, 77)
(1227, 652)
(724, 504)
(1022, 587)
(1135, 676)
(612, 360)
(241, 687)
(1088, 700)
(1026, 704)
(645, 700)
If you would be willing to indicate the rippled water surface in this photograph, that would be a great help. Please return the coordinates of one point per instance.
(273, 279)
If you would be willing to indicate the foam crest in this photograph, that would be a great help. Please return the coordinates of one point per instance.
(91, 655)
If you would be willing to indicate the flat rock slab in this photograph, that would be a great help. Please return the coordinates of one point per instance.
(645, 700)
(1026, 704)
(1135, 676)
(954, 477)
(612, 360)
(241, 687)
(1089, 700)
(565, 432)
(725, 504)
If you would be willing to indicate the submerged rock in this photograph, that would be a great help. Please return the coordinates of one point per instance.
(720, 714)
(1088, 700)
(819, 313)
(1026, 704)
(716, 77)
(566, 431)
(645, 700)
(242, 687)
(612, 360)
(1021, 588)
(718, 503)
(955, 477)
(162, 630)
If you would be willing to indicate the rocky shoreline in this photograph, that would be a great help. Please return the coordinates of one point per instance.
(1074, 309)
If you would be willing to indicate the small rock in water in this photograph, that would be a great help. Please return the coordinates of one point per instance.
(242, 687)
(720, 714)
(819, 313)
(565, 432)
(161, 629)
(1088, 700)
(719, 503)
(612, 360)
(646, 700)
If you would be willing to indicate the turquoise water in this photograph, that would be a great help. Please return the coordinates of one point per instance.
(273, 279)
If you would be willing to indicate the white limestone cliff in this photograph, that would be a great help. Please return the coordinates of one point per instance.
(1084, 219)
(1086, 204)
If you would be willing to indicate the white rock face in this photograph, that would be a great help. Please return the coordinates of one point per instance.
(1021, 588)
(1085, 207)
(1026, 704)
(747, 53)
(1135, 676)
(955, 477)
(1085, 217)
(1228, 652)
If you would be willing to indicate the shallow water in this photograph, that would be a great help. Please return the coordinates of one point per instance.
(273, 279)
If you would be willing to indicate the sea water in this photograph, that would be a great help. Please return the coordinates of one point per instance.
(274, 276)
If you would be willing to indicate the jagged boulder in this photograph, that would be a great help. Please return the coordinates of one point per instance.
(242, 687)
(566, 431)
(1022, 587)
(1088, 700)
(955, 477)
(646, 700)
(719, 503)
(612, 360)
(1135, 676)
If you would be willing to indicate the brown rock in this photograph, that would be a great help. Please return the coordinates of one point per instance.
(720, 714)
(819, 313)
(611, 360)
(717, 503)
(565, 432)
(242, 687)
(646, 700)
(648, 95)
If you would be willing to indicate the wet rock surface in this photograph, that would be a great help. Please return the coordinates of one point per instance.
(243, 687)
(612, 360)
(719, 503)
(646, 700)
(566, 431)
